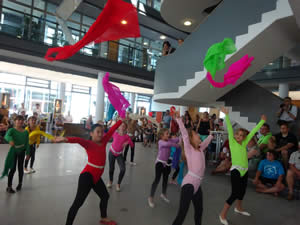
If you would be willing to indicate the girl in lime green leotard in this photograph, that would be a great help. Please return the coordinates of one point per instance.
(238, 142)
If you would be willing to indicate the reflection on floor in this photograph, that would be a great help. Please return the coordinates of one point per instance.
(48, 194)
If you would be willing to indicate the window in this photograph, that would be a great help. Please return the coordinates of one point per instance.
(203, 109)
(40, 4)
(51, 8)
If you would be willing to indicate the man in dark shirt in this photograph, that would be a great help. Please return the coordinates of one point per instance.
(286, 143)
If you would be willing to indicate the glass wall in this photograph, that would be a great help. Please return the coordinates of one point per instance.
(80, 101)
(36, 21)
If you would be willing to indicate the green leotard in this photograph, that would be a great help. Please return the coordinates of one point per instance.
(21, 141)
(239, 155)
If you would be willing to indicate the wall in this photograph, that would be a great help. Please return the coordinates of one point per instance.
(226, 21)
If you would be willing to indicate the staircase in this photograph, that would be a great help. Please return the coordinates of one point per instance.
(180, 78)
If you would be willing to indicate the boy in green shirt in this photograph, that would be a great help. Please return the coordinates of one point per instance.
(238, 142)
(265, 136)
(18, 139)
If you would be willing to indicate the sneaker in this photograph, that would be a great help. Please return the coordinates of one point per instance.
(132, 163)
(10, 190)
(19, 187)
(150, 203)
(290, 197)
(244, 213)
(32, 170)
(118, 188)
(223, 221)
(164, 198)
(26, 171)
(109, 185)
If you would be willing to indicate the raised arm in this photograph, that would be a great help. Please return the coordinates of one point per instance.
(229, 128)
(206, 142)
(110, 132)
(255, 130)
(183, 130)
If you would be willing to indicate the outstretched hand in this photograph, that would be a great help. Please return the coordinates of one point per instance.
(59, 140)
(264, 117)
(224, 110)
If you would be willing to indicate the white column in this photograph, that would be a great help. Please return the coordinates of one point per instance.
(132, 102)
(283, 90)
(62, 96)
(183, 109)
(100, 98)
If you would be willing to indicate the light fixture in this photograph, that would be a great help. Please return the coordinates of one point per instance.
(162, 37)
(187, 23)
(105, 53)
(124, 22)
(145, 43)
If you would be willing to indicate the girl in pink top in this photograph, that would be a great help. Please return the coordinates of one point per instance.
(163, 164)
(190, 189)
(120, 140)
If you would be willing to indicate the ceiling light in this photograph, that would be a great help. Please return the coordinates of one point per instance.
(162, 37)
(145, 43)
(123, 22)
(105, 53)
(187, 23)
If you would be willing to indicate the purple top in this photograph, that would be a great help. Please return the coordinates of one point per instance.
(164, 149)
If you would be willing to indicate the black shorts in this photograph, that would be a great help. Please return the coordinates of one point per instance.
(266, 181)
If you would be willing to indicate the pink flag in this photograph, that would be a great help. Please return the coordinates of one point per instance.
(115, 97)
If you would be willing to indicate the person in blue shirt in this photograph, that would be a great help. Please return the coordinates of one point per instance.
(269, 175)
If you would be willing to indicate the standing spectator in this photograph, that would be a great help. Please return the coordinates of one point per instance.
(213, 121)
(270, 171)
(59, 124)
(21, 109)
(204, 126)
(89, 123)
(293, 172)
(148, 135)
(286, 143)
(196, 122)
(188, 123)
(265, 136)
(287, 112)
(167, 120)
(167, 49)
(180, 41)
(69, 118)
(37, 109)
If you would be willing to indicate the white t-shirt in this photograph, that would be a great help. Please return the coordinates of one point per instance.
(295, 159)
(286, 117)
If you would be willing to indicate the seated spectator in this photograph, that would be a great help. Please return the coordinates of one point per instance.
(293, 172)
(265, 136)
(286, 143)
(253, 154)
(287, 112)
(225, 158)
(270, 172)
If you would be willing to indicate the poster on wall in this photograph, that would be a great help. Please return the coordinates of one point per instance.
(58, 106)
(5, 101)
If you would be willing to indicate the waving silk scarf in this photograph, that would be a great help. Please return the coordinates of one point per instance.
(235, 71)
(117, 20)
(215, 56)
(115, 97)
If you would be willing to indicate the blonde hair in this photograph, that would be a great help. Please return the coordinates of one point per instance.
(161, 132)
(244, 131)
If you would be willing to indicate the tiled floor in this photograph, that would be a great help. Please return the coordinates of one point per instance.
(48, 194)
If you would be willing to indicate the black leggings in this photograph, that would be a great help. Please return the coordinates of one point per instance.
(160, 169)
(187, 195)
(120, 159)
(19, 158)
(238, 186)
(132, 151)
(85, 184)
(31, 156)
(175, 174)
